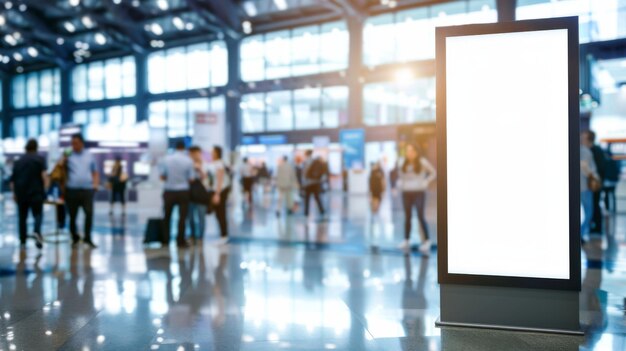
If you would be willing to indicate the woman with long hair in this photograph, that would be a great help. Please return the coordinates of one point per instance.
(416, 174)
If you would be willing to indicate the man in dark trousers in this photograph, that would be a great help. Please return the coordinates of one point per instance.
(177, 172)
(29, 181)
(82, 182)
(313, 172)
(599, 157)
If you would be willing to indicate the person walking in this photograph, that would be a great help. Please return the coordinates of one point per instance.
(287, 183)
(415, 175)
(220, 185)
(588, 175)
(58, 182)
(248, 174)
(177, 172)
(198, 211)
(117, 182)
(83, 179)
(29, 182)
(313, 172)
(600, 159)
(377, 186)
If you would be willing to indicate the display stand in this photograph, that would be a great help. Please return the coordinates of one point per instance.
(508, 202)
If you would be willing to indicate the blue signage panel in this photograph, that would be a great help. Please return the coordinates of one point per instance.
(248, 140)
(353, 145)
(273, 139)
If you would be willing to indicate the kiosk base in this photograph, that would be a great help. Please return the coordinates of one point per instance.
(529, 310)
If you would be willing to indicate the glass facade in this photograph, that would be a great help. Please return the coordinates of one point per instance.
(599, 20)
(399, 102)
(189, 67)
(36, 89)
(177, 116)
(409, 35)
(295, 52)
(125, 115)
(109, 79)
(33, 126)
(309, 108)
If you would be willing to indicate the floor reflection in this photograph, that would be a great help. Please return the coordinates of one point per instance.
(292, 284)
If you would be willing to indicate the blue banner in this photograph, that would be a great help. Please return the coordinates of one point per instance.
(353, 146)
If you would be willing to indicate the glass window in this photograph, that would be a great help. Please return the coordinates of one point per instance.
(409, 35)
(305, 50)
(96, 116)
(295, 52)
(279, 111)
(177, 118)
(198, 66)
(32, 90)
(253, 113)
(95, 81)
(129, 76)
(156, 76)
(399, 102)
(115, 116)
(130, 115)
(32, 124)
(113, 78)
(252, 61)
(46, 91)
(176, 70)
(19, 127)
(19, 91)
(158, 114)
(277, 54)
(306, 105)
(219, 64)
(80, 117)
(79, 83)
(334, 106)
(57, 86)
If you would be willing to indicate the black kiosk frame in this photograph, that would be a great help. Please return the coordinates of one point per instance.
(508, 302)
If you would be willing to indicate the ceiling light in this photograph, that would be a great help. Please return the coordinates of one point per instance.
(280, 4)
(19, 69)
(250, 8)
(23, 7)
(85, 46)
(74, 3)
(163, 4)
(6, 59)
(117, 2)
(10, 40)
(87, 21)
(32, 51)
(60, 41)
(393, 3)
(136, 3)
(17, 56)
(178, 23)
(156, 29)
(100, 39)
(17, 35)
(78, 44)
(247, 27)
(3, 20)
(403, 75)
(69, 27)
(189, 26)
(8, 5)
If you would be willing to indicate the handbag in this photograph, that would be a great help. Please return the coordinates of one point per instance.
(594, 183)
(198, 194)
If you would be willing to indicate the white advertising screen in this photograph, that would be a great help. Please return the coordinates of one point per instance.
(507, 154)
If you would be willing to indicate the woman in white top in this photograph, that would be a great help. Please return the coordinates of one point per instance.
(286, 182)
(416, 174)
(220, 184)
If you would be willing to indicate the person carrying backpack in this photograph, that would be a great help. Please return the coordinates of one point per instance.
(314, 170)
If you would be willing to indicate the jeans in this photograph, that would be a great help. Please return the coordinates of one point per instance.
(586, 199)
(76, 199)
(171, 199)
(197, 220)
(415, 199)
(36, 208)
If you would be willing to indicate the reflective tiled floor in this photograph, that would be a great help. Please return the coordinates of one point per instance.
(280, 284)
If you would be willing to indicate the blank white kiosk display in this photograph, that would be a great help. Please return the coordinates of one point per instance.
(507, 154)
(508, 191)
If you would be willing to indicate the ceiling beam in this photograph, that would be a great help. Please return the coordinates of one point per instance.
(223, 13)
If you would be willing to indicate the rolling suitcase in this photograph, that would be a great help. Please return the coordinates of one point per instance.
(155, 231)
